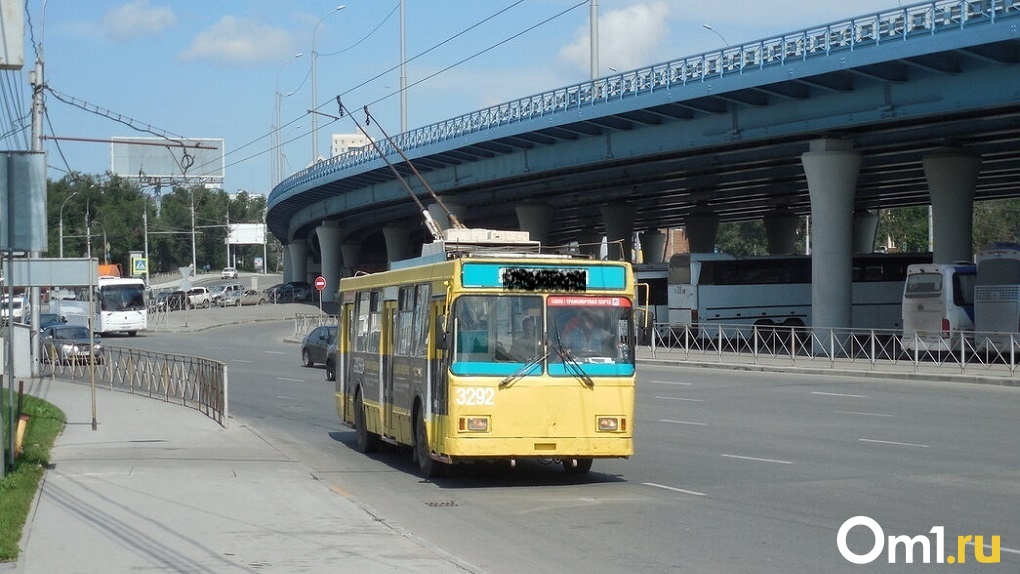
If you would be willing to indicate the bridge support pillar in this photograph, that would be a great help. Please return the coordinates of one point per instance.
(535, 218)
(865, 230)
(702, 225)
(351, 251)
(831, 167)
(298, 251)
(619, 218)
(781, 231)
(440, 216)
(398, 243)
(952, 177)
(653, 246)
(329, 246)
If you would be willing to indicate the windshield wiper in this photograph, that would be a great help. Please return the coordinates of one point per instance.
(570, 362)
(520, 373)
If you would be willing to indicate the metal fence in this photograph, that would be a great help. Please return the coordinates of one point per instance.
(189, 381)
(305, 322)
(979, 354)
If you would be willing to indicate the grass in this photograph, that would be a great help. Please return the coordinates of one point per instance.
(18, 487)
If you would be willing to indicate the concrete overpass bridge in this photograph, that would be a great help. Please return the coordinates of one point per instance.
(911, 106)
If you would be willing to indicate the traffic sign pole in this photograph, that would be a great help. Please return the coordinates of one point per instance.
(320, 284)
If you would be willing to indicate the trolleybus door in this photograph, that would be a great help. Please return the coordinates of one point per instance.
(387, 352)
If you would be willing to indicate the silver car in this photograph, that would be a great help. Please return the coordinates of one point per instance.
(241, 297)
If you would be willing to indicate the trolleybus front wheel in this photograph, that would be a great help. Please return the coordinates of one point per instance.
(429, 468)
(577, 465)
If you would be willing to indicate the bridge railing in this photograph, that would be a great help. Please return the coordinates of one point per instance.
(895, 25)
(874, 350)
(190, 381)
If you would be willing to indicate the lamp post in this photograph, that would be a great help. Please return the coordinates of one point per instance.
(315, 105)
(716, 32)
(277, 174)
(62, 222)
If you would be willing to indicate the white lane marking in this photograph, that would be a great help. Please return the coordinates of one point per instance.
(292, 380)
(673, 488)
(681, 399)
(892, 442)
(277, 353)
(990, 547)
(241, 361)
(863, 414)
(683, 422)
(757, 459)
(671, 383)
(838, 395)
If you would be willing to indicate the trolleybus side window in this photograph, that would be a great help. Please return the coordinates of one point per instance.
(369, 314)
(412, 319)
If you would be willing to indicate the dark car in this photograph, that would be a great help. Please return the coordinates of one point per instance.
(47, 319)
(316, 343)
(68, 344)
(170, 301)
(295, 291)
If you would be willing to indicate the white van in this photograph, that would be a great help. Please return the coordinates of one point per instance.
(20, 309)
(938, 306)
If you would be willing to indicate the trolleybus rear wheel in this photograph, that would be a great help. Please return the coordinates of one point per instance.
(367, 441)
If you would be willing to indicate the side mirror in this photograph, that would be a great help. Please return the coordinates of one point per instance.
(441, 337)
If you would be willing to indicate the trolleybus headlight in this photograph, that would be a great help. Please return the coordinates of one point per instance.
(612, 424)
(474, 424)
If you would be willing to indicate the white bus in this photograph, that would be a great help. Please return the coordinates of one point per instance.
(997, 296)
(119, 304)
(709, 290)
(938, 306)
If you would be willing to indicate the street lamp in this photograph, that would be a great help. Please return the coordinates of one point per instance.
(62, 222)
(716, 32)
(277, 175)
(315, 105)
(106, 248)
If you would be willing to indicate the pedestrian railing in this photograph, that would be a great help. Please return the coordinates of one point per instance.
(182, 379)
(875, 350)
(305, 322)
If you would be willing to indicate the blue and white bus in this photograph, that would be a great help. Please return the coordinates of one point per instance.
(997, 296)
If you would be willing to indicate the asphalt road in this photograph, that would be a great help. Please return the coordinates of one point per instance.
(733, 472)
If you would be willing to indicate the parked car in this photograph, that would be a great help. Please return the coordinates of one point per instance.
(237, 298)
(20, 309)
(68, 344)
(229, 273)
(170, 300)
(316, 343)
(47, 319)
(199, 297)
(295, 291)
(218, 291)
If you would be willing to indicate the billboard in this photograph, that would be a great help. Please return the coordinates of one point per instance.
(168, 160)
(246, 233)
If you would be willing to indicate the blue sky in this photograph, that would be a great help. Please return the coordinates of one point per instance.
(211, 69)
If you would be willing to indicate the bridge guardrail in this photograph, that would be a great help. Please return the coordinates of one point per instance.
(875, 350)
(194, 382)
(895, 25)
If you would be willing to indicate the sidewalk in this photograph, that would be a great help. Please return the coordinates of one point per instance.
(161, 487)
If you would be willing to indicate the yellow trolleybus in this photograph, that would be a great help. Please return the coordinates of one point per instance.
(490, 354)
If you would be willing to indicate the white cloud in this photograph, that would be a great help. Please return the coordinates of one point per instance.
(234, 40)
(137, 19)
(628, 38)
